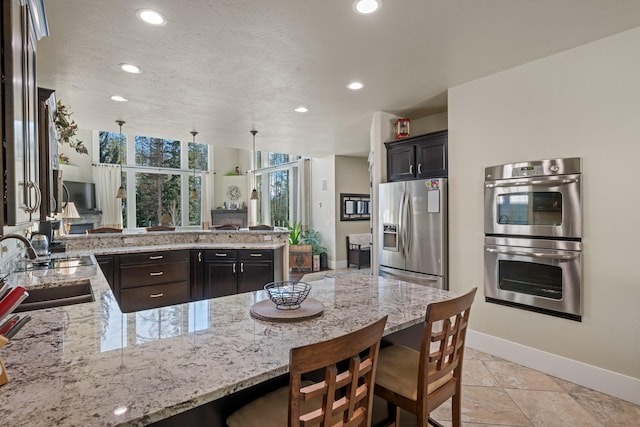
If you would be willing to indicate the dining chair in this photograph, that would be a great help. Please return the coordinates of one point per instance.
(226, 227)
(261, 227)
(342, 394)
(104, 230)
(160, 228)
(420, 381)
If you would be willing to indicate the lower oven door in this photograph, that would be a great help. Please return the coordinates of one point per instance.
(534, 274)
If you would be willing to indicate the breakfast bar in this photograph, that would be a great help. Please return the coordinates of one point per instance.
(91, 364)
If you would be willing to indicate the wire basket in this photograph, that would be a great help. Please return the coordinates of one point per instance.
(287, 295)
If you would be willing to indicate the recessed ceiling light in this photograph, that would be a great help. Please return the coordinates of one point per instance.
(367, 6)
(151, 17)
(301, 109)
(355, 85)
(130, 68)
(118, 98)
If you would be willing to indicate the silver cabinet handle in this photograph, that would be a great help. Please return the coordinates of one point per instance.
(156, 295)
(549, 182)
(533, 254)
(419, 168)
(217, 254)
(159, 273)
(156, 257)
(411, 169)
(242, 267)
(199, 256)
(256, 255)
(31, 209)
(234, 268)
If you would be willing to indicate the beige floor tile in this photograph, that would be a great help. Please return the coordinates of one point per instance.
(485, 405)
(606, 409)
(512, 375)
(475, 373)
(552, 409)
(473, 354)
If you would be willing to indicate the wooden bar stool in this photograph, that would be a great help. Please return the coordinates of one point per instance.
(344, 395)
(419, 382)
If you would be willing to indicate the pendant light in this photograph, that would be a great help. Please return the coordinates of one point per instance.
(193, 195)
(122, 192)
(254, 192)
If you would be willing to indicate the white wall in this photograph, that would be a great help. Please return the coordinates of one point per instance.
(585, 103)
(429, 124)
(225, 161)
(323, 205)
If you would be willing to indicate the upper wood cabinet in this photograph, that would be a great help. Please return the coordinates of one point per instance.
(23, 23)
(50, 182)
(423, 156)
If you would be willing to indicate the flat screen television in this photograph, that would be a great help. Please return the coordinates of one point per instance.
(83, 194)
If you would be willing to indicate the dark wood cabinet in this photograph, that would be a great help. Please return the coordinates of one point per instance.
(23, 23)
(50, 182)
(153, 279)
(107, 265)
(220, 273)
(228, 272)
(147, 280)
(423, 156)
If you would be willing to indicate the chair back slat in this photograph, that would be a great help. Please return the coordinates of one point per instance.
(344, 395)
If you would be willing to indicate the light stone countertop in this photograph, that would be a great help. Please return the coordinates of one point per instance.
(78, 365)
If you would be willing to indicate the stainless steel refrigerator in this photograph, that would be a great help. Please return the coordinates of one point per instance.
(413, 231)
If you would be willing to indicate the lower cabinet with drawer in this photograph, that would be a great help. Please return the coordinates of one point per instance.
(153, 279)
(232, 271)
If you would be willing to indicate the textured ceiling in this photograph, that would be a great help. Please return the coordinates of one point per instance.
(223, 67)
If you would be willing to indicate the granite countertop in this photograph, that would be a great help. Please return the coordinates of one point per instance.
(92, 365)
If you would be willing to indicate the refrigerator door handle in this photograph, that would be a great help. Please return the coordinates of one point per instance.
(401, 224)
(408, 227)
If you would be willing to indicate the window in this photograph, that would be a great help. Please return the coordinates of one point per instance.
(162, 184)
(277, 184)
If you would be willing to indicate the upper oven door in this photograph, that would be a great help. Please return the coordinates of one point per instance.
(547, 206)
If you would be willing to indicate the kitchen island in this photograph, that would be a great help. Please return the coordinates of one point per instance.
(92, 365)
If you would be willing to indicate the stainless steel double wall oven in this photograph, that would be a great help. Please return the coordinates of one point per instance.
(533, 236)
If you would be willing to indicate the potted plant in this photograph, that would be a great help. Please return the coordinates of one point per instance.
(300, 253)
(67, 128)
(312, 237)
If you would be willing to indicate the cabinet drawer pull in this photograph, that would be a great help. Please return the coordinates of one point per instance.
(217, 254)
(159, 273)
(256, 255)
(156, 295)
(156, 257)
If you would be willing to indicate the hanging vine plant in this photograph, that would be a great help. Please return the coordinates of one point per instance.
(67, 129)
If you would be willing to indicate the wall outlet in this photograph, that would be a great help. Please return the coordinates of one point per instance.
(202, 237)
(267, 237)
(129, 240)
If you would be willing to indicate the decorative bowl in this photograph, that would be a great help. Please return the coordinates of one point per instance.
(287, 295)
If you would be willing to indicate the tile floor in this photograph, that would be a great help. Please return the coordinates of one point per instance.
(500, 393)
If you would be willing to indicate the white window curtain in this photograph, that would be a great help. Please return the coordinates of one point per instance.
(207, 199)
(107, 180)
(303, 191)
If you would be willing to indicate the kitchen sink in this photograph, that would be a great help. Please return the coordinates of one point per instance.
(57, 296)
(47, 263)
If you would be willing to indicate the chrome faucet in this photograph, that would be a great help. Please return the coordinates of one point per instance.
(31, 253)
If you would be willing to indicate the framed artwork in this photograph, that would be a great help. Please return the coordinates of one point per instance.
(355, 207)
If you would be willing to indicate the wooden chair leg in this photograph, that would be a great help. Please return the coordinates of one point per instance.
(456, 408)
(393, 416)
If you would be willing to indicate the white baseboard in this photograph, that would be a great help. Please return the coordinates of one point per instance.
(602, 380)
